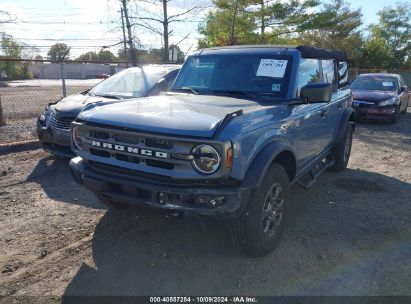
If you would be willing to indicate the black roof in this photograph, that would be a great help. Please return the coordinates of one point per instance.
(312, 52)
(306, 51)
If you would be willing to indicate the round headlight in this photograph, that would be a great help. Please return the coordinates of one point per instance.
(206, 159)
(77, 139)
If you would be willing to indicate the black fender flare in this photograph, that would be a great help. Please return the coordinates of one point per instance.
(347, 117)
(262, 161)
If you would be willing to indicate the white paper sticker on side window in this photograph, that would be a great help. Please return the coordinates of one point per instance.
(272, 68)
(387, 84)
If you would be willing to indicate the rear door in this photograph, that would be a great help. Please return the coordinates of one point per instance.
(338, 103)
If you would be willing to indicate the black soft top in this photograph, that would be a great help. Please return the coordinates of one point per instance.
(312, 52)
(306, 51)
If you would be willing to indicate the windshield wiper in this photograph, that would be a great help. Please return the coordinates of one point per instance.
(235, 92)
(186, 89)
(108, 96)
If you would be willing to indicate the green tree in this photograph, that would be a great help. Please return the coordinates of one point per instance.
(88, 56)
(256, 21)
(106, 56)
(230, 23)
(393, 32)
(339, 28)
(10, 49)
(58, 52)
(376, 54)
(282, 17)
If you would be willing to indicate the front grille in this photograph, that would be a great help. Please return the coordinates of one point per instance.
(60, 123)
(133, 151)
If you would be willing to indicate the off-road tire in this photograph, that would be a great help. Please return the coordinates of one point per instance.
(248, 230)
(110, 203)
(341, 152)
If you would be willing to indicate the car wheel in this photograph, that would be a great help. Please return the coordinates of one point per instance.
(110, 203)
(258, 231)
(342, 151)
(396, 114)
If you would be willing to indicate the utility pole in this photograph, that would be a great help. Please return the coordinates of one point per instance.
(63, 74)
(124, 36)
(133, 55)
(165, 28)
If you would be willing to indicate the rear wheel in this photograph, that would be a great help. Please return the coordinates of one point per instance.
(258, 231)
(342, 151)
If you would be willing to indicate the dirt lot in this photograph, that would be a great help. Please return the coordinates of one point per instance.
(351, 236)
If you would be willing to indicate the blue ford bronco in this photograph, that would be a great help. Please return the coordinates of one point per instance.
(239, 126)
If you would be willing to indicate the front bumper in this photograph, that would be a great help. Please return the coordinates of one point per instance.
(375, 112)
(54, 140)
(230, 201)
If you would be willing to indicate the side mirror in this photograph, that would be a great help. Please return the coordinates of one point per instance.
(317, 92)
(403, 89)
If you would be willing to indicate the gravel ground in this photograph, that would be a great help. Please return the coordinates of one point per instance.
(18, 130)
(351, 234)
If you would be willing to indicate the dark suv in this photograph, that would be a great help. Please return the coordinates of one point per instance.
(239, 127)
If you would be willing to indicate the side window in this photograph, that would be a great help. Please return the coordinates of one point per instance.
(308, 72)
(329, 72)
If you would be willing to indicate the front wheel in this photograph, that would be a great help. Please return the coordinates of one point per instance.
(258, 231)
(342, 150)
(396, 114)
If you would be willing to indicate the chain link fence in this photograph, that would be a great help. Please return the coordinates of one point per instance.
(41, 82)
(27, 86)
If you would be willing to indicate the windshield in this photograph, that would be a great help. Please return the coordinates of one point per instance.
(134, 82)
(375, 83)
(251, 75)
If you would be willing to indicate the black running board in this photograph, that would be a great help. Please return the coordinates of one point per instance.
(308, 179)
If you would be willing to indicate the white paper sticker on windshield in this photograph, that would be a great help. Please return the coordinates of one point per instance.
(272, 68)
(387, 84)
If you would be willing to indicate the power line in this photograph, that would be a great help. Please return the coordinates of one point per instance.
(65, 23)
(50, 9)
(64, 39)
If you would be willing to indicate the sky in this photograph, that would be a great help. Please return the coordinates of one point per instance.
(90, 25)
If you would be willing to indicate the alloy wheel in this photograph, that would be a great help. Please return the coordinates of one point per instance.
(273, 210)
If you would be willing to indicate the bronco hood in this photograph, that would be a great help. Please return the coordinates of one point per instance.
(72, 105)
(190, 115)
(372, 96)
